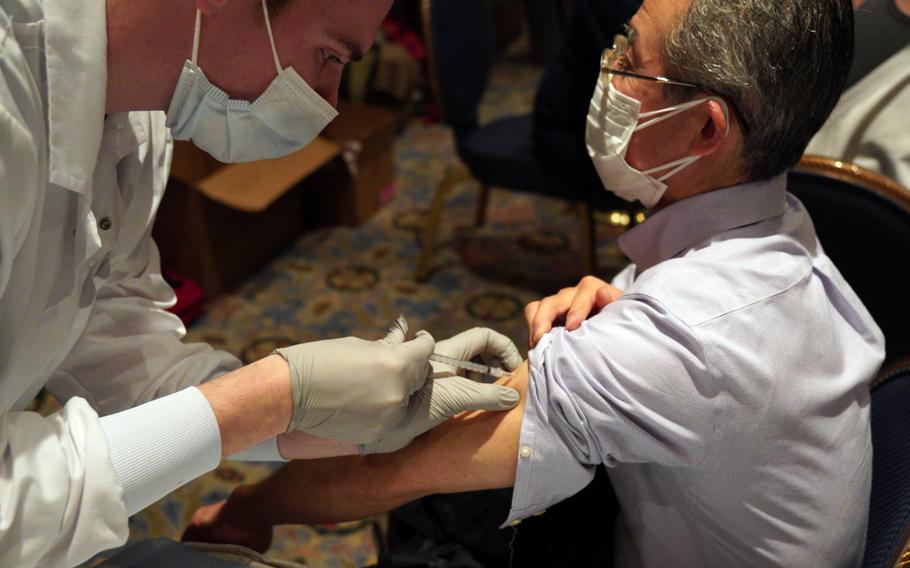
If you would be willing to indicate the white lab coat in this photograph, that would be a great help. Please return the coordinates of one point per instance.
(81, 296)
(870, 126)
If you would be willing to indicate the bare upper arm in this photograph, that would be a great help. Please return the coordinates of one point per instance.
(473, 451)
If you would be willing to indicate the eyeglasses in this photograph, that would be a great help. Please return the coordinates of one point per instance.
(615, 60)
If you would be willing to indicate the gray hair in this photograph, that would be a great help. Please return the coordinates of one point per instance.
(783, 63)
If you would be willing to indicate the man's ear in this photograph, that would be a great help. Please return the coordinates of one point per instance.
(715, 128)
(209, 7)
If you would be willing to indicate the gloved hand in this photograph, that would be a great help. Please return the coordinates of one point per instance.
(447, 395)
(354, 390)
(473, 342)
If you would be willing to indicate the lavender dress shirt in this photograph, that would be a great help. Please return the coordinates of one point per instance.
(726, 391)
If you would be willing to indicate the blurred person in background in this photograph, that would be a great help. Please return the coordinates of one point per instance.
(870, 126)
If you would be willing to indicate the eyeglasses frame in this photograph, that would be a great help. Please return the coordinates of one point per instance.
(610, 56)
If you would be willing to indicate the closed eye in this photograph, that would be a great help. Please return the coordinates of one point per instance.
(329, 57)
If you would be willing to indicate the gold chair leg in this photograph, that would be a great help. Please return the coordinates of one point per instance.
(483, 198)
(588, 237)
(452, 178)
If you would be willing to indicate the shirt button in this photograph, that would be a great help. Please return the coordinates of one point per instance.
(525, 452)
(105, 223)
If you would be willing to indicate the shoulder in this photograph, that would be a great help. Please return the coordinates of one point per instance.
(638, 333)
(22, 121)
(20, 178)
(728, 274)
(20, 98)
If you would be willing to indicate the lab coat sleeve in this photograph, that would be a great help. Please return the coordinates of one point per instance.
(19, 165)
(60, 501)
(132, 351)
(59, 498)
(131, 365)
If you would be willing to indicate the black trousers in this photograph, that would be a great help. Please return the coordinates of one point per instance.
(462, 531)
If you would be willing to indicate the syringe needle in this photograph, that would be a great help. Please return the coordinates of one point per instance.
(468, 365)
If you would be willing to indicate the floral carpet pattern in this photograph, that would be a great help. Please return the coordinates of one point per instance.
(344, 281)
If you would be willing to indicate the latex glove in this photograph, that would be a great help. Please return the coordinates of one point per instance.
(473, 342)
(447, 395)
(570, 305)
(354, 390)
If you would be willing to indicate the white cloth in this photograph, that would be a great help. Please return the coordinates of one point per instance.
(726, 392)
(266, 451)
(870, 126)
(81, 296)
(158, 446)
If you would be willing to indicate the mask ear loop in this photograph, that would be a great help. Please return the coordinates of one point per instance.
(196, 34)
(679, 164)
(672, 111)
(668, 112)
(268, 27)
(682, 163)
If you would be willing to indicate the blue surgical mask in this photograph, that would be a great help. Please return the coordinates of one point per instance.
(285, 118)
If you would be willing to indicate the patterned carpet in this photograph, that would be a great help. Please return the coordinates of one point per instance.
(343, 281)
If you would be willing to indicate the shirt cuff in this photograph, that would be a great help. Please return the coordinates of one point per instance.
(547, 471)
(161, 445)
(266, 451)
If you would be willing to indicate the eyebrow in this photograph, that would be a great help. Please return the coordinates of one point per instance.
(354, 52)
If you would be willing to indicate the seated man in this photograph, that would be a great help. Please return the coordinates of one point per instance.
(727, 389)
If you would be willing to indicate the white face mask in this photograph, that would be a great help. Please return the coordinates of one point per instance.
(612, 119)
(285, 118)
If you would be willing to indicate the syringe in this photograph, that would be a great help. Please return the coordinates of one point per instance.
(468, 365)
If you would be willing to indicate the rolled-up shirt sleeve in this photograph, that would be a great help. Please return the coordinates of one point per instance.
(630, 386)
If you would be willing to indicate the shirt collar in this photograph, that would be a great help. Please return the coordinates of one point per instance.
(693, 220)
(76, 52)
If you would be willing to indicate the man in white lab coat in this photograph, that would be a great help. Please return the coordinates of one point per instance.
(84, 158)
